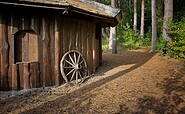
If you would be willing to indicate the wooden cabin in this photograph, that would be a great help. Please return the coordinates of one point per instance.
(35, 34)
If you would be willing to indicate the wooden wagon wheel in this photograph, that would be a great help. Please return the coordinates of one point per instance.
(73, 67)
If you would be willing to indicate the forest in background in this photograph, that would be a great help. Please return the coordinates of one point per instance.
(129, 34)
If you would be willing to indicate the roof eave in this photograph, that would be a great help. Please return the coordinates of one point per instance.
(36, 6)
(105, 19)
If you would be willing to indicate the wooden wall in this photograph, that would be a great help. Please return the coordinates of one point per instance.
(55, 34)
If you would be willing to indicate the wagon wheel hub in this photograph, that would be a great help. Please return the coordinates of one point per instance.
(76, 67)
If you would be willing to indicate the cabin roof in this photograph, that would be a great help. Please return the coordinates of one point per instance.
(108, 15)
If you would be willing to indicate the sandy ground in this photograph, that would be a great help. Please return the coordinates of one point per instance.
(130, 82)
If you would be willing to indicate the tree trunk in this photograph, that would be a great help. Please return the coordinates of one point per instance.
(142, 18)
(135, 15)
(168, 16)
(154, 26)
(112, 39)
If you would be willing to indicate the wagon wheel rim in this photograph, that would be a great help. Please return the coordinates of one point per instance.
(73, 67)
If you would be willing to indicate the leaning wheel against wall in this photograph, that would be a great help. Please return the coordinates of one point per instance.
(73, 67)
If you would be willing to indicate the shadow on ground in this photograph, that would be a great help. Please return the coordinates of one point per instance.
(172, 102)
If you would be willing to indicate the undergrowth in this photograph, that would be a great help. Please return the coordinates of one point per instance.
(176, 48)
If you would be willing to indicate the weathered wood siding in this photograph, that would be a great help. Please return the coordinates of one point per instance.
(81, 35)
(32, 45)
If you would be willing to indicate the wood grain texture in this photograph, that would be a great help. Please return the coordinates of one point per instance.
(14, 77)
(26, 76)
(4, 54)
(57, 51)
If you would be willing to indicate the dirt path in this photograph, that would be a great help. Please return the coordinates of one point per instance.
(129, 82)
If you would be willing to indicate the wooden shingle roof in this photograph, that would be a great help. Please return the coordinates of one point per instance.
(110, 15)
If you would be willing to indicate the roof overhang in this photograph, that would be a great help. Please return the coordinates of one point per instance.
(109, 16)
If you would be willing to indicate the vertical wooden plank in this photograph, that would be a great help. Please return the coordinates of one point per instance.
(64, 39)
(20, 76)
(25, 45)
(94, 47)
(37, 74)
(1, 78)
(32, 76)
(66, 34)
(97, 37)
(14, 24)
(45, 40)
(11, 40)
(79, 40)
(97, 52)
(24, 21)
(84, 39)
(77, 35)
(61, 27)
(99, 42)
(57, 51)
(26, 76)
(70, 28)
(31, 48)
(100, 50)
(14, 77)
(10, 76)
(35, 45)
(40, 51)
(4, 54)
(34, 24)
(51, 51)
(89, 47)
(11, 49)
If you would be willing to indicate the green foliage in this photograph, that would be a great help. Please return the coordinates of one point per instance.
(147, 40)
(176, 48)
(130, 39)
(162, 46)
(105, 43)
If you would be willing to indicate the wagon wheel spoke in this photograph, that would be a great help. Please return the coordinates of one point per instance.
(78, 59)
(76, 77)
(73, 67)
(79, 74)
(71, 59)
(81, 62)
(82, 72)
(75, 57)
(72, 76)
(70, 72)
(69, 62)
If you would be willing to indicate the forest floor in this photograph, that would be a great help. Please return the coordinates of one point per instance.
(130, 82)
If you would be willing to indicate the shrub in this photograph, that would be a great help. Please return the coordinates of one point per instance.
(176, 48)
(162, 46)
(105, 43)
(128, 38)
